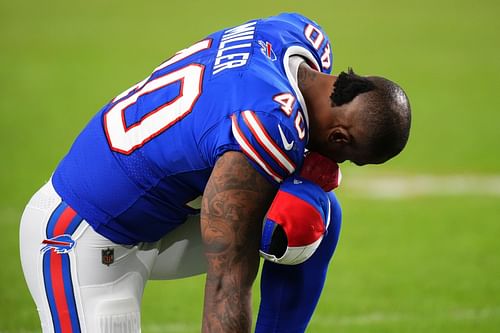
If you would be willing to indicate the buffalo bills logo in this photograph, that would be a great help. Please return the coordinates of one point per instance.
(267, 49)
(60, 244)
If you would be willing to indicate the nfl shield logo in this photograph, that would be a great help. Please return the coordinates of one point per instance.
(108, 256)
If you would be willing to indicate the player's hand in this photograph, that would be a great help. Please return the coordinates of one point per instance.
(321, 170)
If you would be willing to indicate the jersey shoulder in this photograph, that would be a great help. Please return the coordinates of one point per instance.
(295, 34)
(269, 141)
(276, 38)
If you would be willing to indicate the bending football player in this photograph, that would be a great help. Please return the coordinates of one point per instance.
(174, 176)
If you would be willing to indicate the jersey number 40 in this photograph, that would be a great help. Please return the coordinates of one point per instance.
(125, 139)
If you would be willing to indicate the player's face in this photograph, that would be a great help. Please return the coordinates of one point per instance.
(340, 133)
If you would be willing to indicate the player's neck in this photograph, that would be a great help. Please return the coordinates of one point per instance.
(306, 77)
(314, 85)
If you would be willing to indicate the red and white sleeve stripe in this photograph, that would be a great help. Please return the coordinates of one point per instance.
(260, 147)
(267, 142)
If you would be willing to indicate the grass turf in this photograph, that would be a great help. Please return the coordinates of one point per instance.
(410, 265)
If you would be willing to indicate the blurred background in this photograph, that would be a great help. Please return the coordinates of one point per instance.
(419, 249)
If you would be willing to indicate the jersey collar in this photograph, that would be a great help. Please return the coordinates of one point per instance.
(293, 57)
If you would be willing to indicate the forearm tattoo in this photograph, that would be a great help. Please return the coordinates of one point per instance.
(234, 203)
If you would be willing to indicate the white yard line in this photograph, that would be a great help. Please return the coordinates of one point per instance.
(422, 185)
(476, 314)
(367, 319)
(359, 320)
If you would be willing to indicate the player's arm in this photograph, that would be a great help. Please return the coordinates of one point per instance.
(234, 203)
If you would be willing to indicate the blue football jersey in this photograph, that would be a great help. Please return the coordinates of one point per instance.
(136, 170)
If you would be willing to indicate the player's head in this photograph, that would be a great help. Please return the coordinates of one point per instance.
(368, 120)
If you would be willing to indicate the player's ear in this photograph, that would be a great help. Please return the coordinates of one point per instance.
(340, 136)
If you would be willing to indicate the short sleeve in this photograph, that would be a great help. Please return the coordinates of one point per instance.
(268, 143)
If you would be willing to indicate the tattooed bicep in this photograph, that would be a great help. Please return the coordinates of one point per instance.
(235, 201)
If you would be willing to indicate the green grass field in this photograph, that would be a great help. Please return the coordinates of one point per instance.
(422, 263)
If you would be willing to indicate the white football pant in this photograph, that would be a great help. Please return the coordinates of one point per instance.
(83, 282)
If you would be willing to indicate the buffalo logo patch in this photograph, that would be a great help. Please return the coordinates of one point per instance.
(267, 49)
(60, 244)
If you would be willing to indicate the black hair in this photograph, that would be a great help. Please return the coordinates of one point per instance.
(386, 113)
(349, 85)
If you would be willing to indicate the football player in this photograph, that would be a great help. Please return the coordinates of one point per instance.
(174, 176)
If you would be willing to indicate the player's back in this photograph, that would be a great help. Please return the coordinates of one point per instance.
(135, 171)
